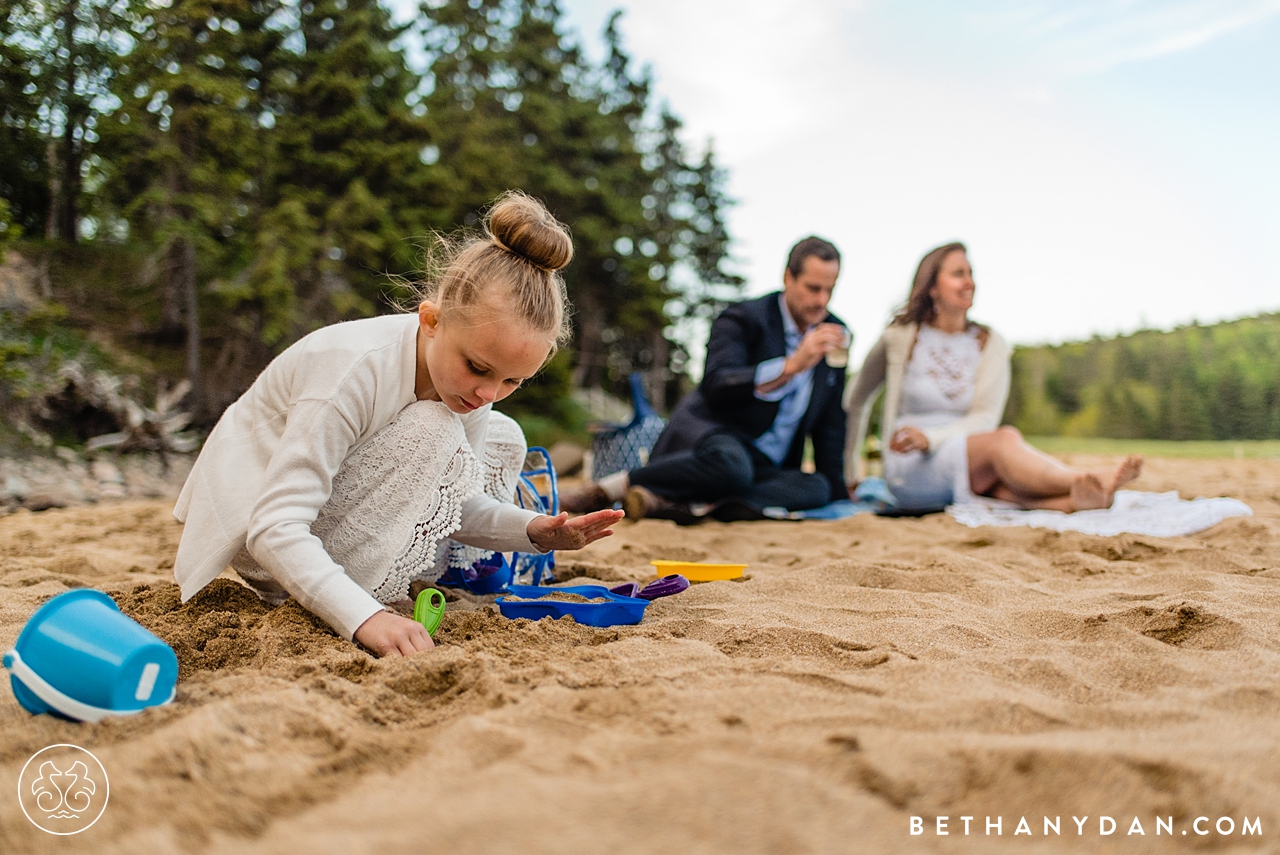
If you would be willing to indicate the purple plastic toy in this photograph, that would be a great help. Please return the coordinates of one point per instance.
(664, 587)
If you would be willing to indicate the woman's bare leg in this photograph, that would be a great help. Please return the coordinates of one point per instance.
(1002, 465)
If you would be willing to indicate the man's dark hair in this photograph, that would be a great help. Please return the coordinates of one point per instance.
(824, 250)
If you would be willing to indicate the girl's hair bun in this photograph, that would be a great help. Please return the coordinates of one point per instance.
(523, 226)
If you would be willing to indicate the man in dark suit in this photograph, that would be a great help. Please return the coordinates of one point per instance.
(739, 438)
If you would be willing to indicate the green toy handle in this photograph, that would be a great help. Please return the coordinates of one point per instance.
(428, 609)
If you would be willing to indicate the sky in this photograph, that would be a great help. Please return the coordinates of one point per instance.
(1111, 164)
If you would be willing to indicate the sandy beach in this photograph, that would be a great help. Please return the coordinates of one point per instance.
(861, 673)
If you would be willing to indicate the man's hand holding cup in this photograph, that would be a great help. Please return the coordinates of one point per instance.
(837, 355)
(815, 345)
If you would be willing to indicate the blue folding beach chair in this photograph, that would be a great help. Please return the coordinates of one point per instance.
(618, 447)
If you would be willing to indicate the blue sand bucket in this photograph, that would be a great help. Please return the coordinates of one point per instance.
(78, 656)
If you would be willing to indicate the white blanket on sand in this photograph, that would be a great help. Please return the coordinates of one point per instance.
(1156, 514)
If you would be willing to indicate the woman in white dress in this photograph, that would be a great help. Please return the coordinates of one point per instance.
(946, 381)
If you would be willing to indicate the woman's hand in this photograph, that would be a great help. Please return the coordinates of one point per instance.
(561, 532)
(908, 439)
(388, 634)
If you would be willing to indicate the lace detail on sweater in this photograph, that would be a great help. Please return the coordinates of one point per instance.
(397, 497)
(504, 452)
(939, 382)
(432, 528)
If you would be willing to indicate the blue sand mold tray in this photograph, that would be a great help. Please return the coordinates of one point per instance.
(619, 610)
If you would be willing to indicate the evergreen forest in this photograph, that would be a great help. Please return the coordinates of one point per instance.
(195, 184)
(1219, 381)
(219, 177)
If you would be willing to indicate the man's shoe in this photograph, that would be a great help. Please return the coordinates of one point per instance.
(737, 510)
(641, 502)
(585, 499)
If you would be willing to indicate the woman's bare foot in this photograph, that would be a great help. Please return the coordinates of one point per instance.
(1128, 470)
(1091, 491)
(1088, 493)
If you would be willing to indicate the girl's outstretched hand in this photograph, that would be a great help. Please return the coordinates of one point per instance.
(561, 532)
(387, 634)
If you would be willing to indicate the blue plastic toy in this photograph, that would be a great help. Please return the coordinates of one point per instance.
(489, 575)
(537, 491)
(616, 611)
(79, 657)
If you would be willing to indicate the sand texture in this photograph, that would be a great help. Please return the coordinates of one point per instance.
(861, 672)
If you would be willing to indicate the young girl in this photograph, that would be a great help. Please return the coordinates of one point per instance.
(946, 380)
(337, 477)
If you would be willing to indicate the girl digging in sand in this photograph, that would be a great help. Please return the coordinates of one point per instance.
(337, 477)
(946, 381)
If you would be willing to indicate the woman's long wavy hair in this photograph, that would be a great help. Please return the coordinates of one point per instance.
(919, 308)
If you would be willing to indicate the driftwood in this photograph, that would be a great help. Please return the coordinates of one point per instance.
(159, 428)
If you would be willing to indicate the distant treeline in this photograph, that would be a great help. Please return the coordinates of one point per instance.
(1195, 382)
(270, 161)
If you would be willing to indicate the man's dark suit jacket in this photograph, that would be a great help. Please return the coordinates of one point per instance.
(743, 336)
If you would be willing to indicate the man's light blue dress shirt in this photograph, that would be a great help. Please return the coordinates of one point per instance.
(793, 395)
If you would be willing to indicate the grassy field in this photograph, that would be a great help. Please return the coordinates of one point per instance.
(1157, 447)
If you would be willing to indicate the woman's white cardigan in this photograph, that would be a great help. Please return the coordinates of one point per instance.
(267, 469)
(886, 366)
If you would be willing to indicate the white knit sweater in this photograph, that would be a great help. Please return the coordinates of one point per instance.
(268, 467)
(886, 366)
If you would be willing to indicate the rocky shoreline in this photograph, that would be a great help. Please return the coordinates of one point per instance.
(69, 479)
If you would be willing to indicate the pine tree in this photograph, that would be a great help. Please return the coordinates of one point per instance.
(57, 68)
(517, 104)
(693, 239)
(9, 230)
(24, 178)
(346, 181)
(184, 140)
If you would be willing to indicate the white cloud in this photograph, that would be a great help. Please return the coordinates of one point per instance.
(888, 138)
(893, 127)
(1057, 39)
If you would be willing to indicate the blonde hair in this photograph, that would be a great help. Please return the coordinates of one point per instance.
(518, 256)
